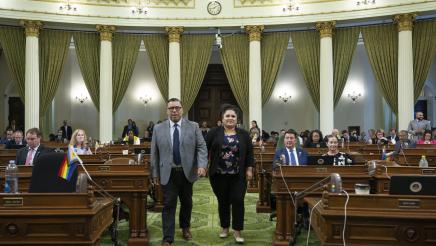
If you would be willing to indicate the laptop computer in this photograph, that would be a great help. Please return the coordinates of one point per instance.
(320, 160)
(142, 151)
(413, 185)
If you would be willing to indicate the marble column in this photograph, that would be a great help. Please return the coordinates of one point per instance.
(406, 100)
(31, 85)
(326, 92)
(106, 114)
(174, 75)
(255, 75)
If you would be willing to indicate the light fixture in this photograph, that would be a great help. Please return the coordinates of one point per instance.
(291, 6)
(140, 9)
(365, 2)
(285, 98)
(218, 39)
(67, 7)
(81, 98)
(145, 99)
(354, 96)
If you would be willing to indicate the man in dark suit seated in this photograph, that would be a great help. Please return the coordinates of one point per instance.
(18, 140)
(8, 138)
(33, 150)
(290, 154)
(404, 143)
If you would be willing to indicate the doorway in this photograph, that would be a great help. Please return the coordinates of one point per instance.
(215, 91)
(16, 111)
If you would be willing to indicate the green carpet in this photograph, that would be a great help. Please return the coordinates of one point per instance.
(205, 223)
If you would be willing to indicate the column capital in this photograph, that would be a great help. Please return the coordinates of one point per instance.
(405, 21)
(254, 32)
(106, 32)
(32, 27)
(325, 28)
(174, 33)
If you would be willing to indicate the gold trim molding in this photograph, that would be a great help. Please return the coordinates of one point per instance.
(405, 21)
(325, 28)
(178, 4)
(106, 32)
(32, 27)
(174, 33)
(254, 32)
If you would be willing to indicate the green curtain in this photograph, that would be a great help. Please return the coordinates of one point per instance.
(273, 47)
(53, 50)
(88, 57)
(424, 49)
(195, 55)
(125, 52)
(158, 54)
(381, 43)
(13, 41)
(307, 45)
(235, 57)
(344, 45)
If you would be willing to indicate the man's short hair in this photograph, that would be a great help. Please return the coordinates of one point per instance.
(34, 131)
(173, 99)
(19, 131)
(292, 131)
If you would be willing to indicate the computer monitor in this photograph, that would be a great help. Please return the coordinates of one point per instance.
(413, 185)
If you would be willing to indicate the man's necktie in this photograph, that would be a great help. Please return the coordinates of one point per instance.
(176, 146)
(29, 157)
(293, 161)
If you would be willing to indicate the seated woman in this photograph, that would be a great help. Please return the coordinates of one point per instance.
(427, 139)
(130, 138)
(340, 158)
(79, 143)
(379, 138)
(315, 140)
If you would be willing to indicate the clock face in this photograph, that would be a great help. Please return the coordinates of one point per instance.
(214, 8)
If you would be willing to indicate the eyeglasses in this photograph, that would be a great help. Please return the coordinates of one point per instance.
(177, 108)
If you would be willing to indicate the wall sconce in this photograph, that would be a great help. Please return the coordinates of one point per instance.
(81, 98)
(292, 5)
(365, 2)
(145, 99)
(140, 9)
(354, 96)
(67, 7)
(285, 98)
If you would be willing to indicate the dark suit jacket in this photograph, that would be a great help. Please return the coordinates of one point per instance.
(66, 134)
(22, 154)
(214, 142)
(301, 153)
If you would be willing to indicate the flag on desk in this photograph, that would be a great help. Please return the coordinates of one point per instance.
(69, 164)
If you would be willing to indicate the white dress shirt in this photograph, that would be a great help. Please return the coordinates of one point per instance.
(179, 123)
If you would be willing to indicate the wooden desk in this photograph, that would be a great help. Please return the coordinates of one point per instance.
(129, 182)
(375, 219)
(299, 178)
(35, 219)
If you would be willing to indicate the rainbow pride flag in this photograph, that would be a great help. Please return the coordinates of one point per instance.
(69, 164)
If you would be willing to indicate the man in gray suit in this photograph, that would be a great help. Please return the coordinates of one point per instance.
(418, 126)
(178, 157)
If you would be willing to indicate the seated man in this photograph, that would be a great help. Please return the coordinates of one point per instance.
(17, 140)
(8, 138)
(33, 150)
(290, 154)
(404, 142)
(131, 138)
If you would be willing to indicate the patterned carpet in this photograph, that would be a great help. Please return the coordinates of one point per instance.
(205, 223)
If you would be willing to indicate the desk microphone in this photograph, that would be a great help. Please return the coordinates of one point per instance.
(335, 183)
(372, 167)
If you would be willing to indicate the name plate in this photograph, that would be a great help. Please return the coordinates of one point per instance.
(427, 171)
(12, 201)
(104, 168)
(321, 169)
(409, 203)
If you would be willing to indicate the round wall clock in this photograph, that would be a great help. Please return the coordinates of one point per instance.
(214, 8)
